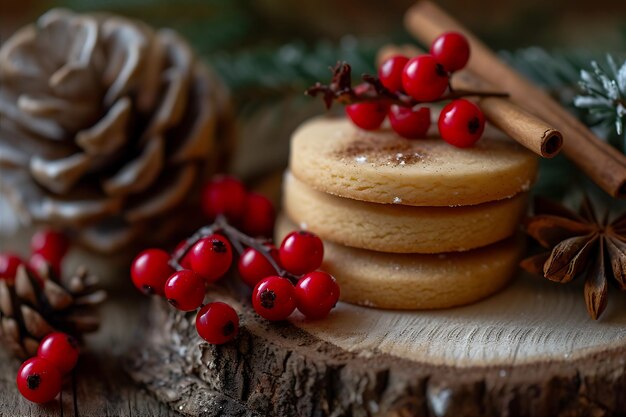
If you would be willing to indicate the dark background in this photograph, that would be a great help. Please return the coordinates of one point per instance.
(214, 25)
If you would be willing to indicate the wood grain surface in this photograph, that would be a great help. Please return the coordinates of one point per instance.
(284, 370)
(531, 321)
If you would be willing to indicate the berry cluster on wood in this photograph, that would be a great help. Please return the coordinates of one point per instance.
(403, 86)
(39, 379)
(282, 279)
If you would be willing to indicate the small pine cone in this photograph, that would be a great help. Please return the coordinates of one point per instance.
(107, 126)
(35, 305)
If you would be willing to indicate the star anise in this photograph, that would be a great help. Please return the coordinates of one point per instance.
(580, 244)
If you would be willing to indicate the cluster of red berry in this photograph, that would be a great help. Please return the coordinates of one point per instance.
(424, 79)
(48, 248)
(40, 378)
(282, 279)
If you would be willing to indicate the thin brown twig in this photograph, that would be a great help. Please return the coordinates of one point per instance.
(238, 240)
(340, 90)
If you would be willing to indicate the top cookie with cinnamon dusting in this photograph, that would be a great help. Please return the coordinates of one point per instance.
(333, 156)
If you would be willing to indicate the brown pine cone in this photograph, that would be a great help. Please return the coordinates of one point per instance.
(32, 307)
(106, 125)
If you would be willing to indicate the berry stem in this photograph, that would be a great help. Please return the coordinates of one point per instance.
(450, 88)
(180, 253)
(340, 90)
(237, 238)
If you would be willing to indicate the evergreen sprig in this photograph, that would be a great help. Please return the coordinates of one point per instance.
(603, 96)
(270, 72)
(557, 71)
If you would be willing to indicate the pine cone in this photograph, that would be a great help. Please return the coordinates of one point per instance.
(34, 306)
(106, 125)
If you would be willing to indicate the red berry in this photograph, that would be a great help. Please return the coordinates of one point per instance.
(38, 380)
(39, 264)
(301, 252)
(390, 72)
(224, 195)
(253, 266)
(59, 349)
(217, 323)
(8, 266)
(274, 298)
(258, 217)
(51, 244)
(452, 50)
(409, 123)
(424, 79)
(211, 257)
(316, 294)
(369, 115)
(461, 123)
(150, 270)
(185, 290)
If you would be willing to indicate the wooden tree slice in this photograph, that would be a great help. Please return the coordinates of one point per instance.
(530, 350)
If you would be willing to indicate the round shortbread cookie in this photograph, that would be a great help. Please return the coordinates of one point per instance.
(416, 282)
(401, 229)
(333, 156)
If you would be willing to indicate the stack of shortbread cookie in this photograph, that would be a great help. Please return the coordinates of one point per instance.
(408, 224)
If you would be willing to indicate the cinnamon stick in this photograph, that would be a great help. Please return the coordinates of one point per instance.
(605, 165)
(527, 129)
(530, 131)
